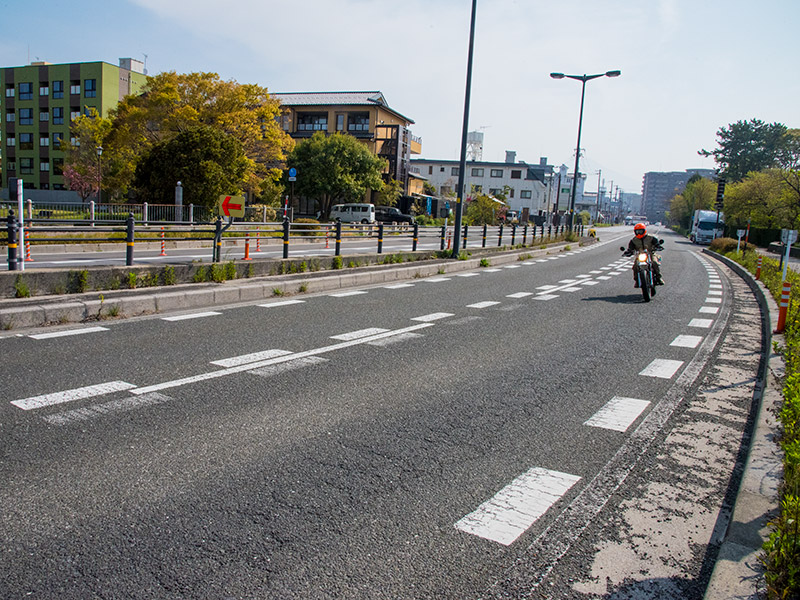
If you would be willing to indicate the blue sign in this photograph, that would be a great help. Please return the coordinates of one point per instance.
(292, 172)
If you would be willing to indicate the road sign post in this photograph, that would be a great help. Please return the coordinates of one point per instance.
(788, 237)
(740, 234)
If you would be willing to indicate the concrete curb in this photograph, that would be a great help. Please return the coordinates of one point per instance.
(97, 306)
(738, 573)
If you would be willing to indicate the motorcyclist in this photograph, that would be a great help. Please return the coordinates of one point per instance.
(643, 241)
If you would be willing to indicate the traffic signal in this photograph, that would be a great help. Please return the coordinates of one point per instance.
(12, 189)
(720, 193)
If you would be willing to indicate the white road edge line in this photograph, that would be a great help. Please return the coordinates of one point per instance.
(89, 391)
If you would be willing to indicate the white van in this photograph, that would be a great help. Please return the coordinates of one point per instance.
(353, 213)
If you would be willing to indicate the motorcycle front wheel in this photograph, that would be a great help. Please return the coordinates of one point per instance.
(644, 285)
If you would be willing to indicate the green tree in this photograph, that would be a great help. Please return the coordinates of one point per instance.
(84, 170)
(428, 189)
(208, 162)
(748, 146)
(482, 210)
(699, 194)
(335, 168)
(759, 198)
(390, 193)
(172, 103)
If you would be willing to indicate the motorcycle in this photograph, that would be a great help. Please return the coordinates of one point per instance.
(643, 269)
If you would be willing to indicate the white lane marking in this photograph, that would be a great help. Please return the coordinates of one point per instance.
(713, 300)
(712, 310)
(278, 359)
(687, 341)
(55, 334)
(570, 289)
(541, 260)
(546, 288)
(272, 370)
(520, 295)
(618, 414)
(492, 270)
(118, 405)
(467, 274)
(662, 368)
(702, 323)
(395, 339)
(606, 268)
(583, 276)
(567, 281)
(437, 279)
(589, 282)
(398, 286)
(433, 317)
(595, 272)
(715, 286)
(554, 258)
(546, 297)
(281, 303)
(604, 278)
(244, 359)
(346, 294)
(354, 335)
(512, 267)
(89, 391)
(199, 315)
(485, 304)
(715, 292)
(517, 506)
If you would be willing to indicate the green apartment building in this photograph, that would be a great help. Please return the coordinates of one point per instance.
(37, 105)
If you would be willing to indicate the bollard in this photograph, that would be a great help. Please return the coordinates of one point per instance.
(258, 238)
(485, 229)
(217, 241)
(758, 269)
(129, 240)
(784, 307)
(465, 236)
(286, 237)
(449, 239)
(338, 250)
(500, 236)
(513, 235)
(327, 231)
(415, 238)
(525, 235)
(12, 241)
(247, 246)
(28, 249)
(163, 247)
(442, 237)
(380, 238)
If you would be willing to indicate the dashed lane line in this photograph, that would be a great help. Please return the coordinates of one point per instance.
(66, 332)
(200, 315)
(662, 368)
(89, 391)
(618, 414)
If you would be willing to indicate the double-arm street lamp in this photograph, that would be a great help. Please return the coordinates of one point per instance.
(583, 79)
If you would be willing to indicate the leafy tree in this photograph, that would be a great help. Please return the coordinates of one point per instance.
(428, 189)
(699, 194)
(483, 210)
(335, 168)
(208, 162)
(173, 103)
(83, 169)
(390, 193)
(759, 198)
(748, 146)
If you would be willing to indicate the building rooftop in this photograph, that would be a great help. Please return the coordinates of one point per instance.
(336, 98)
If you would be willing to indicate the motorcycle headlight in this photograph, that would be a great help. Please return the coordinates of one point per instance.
(642, 257)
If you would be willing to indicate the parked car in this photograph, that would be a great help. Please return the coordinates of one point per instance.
(390, 214)
(353, 213)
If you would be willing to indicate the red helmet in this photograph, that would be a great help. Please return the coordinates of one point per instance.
(639, 230)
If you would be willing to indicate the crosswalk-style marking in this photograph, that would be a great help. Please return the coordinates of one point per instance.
(687, 341)
(662, 368)
(618, 414)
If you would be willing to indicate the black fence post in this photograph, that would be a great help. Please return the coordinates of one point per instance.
(549, 232)
(415, 238)
(513, 235)
(525, 235)
(129, 239)
(13, 250)
(466, 229)
(338, 236)
(380, 238)
(485, 229)
(217, 241)
(444, 234)
(286, 237)
(500, 236)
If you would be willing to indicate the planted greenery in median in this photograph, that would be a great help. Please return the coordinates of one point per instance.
(782, 550)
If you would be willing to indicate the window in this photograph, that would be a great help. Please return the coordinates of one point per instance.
(26, 91)
(90, 88)
(510, 192)
(430, 170)
(10, 118)
(26, 166)
(44, 116)
(312, 122)
(9, 90)
(11, 165)
(75, 87)
(453, 170)
(44, 166)
(58, 115)
(339, 122)
(478, 189)
(58, 186)
(525, 194)
(44, 141)
(358, 122)
(44, 88)
(496, 173)
(74, 113)
(44, 186)
(26, 141)
(58, 169)
(441, 169)
(11, 141)
(477, 172)
(516, 174)
(75, 141)
(495, 191)
(58, 89)
(26, 116)
(57, 138)
(87, 110)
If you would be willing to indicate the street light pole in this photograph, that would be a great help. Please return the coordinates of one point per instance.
(99, 173)
(583, 79)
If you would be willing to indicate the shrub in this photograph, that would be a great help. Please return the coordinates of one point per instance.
(169, 275)
(21, 289)
(725, 245)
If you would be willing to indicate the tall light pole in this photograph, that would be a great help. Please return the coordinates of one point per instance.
(99, 173)
(583, 79)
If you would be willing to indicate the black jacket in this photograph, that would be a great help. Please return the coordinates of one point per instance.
(648, 242)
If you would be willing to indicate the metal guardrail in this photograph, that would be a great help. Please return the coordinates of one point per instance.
(43, 231)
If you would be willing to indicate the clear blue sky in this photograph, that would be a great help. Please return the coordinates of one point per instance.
(688, 67)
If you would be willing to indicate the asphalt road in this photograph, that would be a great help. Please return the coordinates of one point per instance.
(491, 434)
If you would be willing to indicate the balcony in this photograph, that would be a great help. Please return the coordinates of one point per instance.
(416, 145)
